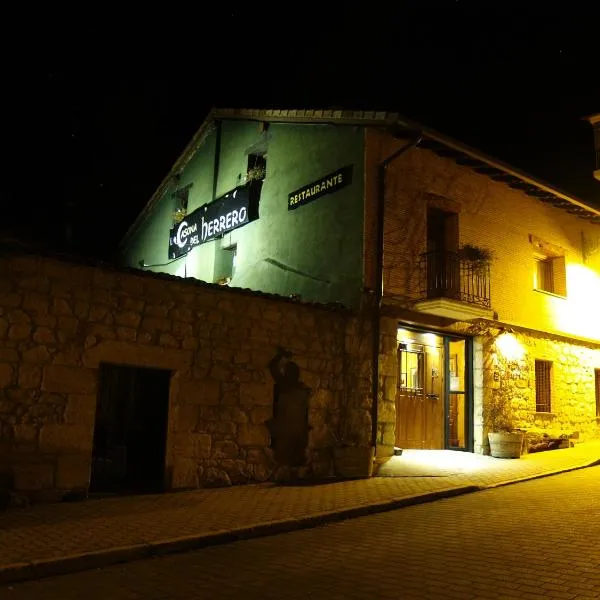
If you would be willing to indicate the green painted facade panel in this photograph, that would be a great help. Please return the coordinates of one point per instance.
(314, 251)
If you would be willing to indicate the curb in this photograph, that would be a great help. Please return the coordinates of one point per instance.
(38, 569)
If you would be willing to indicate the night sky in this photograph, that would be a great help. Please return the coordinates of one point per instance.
(98, 106)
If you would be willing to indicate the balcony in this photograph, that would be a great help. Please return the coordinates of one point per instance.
(453, 287)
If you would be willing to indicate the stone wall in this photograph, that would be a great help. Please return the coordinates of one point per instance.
(573, 397)
(59, 321)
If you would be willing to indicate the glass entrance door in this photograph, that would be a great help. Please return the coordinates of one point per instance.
(458, 398)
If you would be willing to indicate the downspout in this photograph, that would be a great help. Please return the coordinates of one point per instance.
(217, 159)
(379, 277)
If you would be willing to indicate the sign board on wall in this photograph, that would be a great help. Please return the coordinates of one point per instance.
(211, 221)
(326, 185)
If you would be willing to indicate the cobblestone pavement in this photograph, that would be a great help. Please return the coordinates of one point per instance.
(51, 532)
(534, 540)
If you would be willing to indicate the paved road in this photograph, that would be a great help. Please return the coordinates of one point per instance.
(534, 540)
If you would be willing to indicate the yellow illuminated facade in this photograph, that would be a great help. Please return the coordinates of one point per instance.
(534, 332)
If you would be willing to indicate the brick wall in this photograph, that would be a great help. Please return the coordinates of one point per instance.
(59, 321)
(495, 216)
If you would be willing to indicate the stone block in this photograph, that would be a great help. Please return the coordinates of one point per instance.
(18, 316)
(103, 279)
(322, 399)
(185, 473)
(187, 417)
(10, 299)
(129, 353)
(67, 328)
(6, 375)
(191, 445)
(127, 318)
(57, 437)
(253, 435)
(256, 393)
(69, 380)
(126, 333)
(19, 331)
(168, 340)
(200, 391)
(3, 327)
(30, 376)
(33, 476)
(260, 414)
(61, 307)
(98, 312)
(24, 264)
(389, 388)
(73, 471)
(226, 449)
(25, 435)
(81, 410)
(44, 335)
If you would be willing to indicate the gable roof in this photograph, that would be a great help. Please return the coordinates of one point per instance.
(432, 140)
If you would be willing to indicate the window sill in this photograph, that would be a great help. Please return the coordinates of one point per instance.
(549, 294)
(547, 415)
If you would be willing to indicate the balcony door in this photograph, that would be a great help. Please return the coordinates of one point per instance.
(443, 273)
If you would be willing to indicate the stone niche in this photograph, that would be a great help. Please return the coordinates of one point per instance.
(59, 321)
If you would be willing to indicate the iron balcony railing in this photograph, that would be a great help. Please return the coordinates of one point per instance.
(447, 275)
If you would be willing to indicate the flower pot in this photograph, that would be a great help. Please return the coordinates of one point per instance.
(505, 444)
(353, 462)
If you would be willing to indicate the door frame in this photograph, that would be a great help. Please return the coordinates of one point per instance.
(468, 392)
(469, 387)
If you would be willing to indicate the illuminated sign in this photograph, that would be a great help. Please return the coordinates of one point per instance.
(326, 185)
(210, 222)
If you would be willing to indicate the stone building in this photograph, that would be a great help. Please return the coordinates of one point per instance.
(475, 275)
(291, 268)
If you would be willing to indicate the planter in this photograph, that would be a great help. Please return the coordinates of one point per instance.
(353, 462)
(504, 444)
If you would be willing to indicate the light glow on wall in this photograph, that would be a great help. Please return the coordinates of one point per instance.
(579, 313)
(509, 346)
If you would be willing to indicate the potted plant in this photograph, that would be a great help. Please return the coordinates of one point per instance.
(179, 215)
(353, 456)
(256, 173)
(477, 256)
(505, 440)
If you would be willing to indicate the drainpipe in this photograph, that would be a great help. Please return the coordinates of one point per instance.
(379, 275)
(217, 159)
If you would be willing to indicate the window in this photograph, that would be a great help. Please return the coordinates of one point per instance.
(224, 263)
(410, 367)
(180, 197)
(550, 273)
(597, 386)
(543, 386)
(257, 167)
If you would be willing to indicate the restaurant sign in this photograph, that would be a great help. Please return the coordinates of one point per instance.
(210, 222)
(326, 185)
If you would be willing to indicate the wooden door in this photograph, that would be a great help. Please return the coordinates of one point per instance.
(419, 398)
